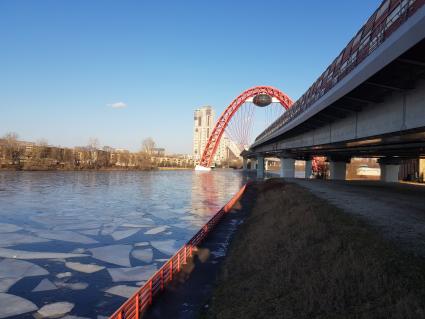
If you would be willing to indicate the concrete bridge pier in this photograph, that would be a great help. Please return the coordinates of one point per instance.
(253, 163)
(390, 167)
(287, 167)
(245, 163)
(338, 168)
(308, 168)
(260, 166)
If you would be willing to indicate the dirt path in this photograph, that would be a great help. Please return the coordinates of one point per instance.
(397, 210)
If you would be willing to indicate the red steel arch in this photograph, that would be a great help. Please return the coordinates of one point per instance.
(223, 121)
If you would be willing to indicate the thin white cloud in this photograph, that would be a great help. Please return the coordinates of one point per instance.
(117, 105)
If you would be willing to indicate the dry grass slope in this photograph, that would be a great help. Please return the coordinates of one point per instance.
(296, 256)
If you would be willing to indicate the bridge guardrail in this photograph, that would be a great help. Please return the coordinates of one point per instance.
(390, 15)
(134, 307)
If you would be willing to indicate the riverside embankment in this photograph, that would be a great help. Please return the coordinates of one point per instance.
(298, 256)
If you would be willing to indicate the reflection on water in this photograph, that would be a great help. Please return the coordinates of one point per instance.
(87, 239)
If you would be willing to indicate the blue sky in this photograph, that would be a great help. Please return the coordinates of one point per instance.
(64, 64)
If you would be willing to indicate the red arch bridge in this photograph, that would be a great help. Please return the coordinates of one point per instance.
(264, 95)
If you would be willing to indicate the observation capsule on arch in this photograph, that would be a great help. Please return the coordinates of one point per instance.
(262, 100)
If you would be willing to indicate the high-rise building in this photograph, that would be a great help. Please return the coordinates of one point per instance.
(202, 128)
(204, 121)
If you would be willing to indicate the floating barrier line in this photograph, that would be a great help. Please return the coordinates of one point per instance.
(134, 307)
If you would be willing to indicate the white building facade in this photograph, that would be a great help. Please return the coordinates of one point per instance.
(204, 122)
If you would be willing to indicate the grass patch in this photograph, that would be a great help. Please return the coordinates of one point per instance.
(296, 256)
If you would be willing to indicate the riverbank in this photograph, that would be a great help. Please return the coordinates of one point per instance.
(297, 256)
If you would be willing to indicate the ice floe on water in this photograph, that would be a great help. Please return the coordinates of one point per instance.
(79, 251)
(156, 230)
(11, 268)
(114, 254)
(92, 232)
(144, 255)
(189, 218)
(54, 310)
(11, 305)
(88, 232)
(161, 260)
(167, 247)
(132, 274)
(130, 225)
(85, 268)
(141, 244)
(12, 239)
(9, 228)
(22, 254)
(44, 285)
(72, 285)
(68, 236)
(6, 283)
(121, 234)
(122, 290)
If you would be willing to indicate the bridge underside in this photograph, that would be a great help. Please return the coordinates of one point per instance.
(383, 116)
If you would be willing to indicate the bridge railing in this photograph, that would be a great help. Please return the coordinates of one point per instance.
(137, 304)
(384, 21)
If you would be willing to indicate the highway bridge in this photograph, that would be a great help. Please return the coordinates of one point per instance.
(370, 102)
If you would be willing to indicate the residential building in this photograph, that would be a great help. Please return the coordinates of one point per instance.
(204, 122)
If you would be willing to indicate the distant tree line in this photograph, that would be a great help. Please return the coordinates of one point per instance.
(16, 154)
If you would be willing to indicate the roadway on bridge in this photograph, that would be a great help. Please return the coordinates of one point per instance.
(395, 209)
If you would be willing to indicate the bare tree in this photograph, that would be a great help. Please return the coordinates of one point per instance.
(148, 145)
(94, 143)
(12, 147)
(41, 149)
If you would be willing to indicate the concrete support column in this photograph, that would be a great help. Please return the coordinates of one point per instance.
(389, 173)
(253, 164)
(245, 163)
(260, 167)
(337, 170)
(389, 169)
(287, 167)
(266, 165)
(422, 169)
(308, 168)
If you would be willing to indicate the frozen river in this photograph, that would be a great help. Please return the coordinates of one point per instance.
(78, 243)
